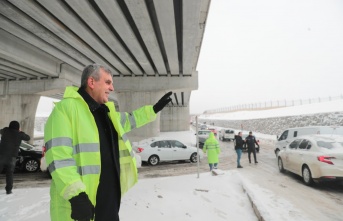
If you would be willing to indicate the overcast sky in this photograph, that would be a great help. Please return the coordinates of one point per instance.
(256, 51)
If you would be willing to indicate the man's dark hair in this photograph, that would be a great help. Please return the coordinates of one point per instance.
(14, 125)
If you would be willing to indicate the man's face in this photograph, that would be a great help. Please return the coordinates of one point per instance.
(240, 134)
(101, 88)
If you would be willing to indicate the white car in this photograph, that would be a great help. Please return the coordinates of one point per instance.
(203, 135)
(292, 133)
(156, 149)
(226, 134)
(314, 157)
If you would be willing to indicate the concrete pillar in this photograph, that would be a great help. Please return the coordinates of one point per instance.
(175, 119)
(129, 101)
(21, 108)
(169, 119)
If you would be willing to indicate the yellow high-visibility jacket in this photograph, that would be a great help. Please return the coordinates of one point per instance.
(211, 146)
(73, 150)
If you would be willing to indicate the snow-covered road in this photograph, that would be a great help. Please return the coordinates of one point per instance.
(321, 202)
(278, 196)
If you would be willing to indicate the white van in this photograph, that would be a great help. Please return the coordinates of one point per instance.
(288, 135)
(226, 134)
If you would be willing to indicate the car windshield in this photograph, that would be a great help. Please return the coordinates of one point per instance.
(26, 146)
(204, 132)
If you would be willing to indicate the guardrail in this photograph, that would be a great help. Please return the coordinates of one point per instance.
(272, 104)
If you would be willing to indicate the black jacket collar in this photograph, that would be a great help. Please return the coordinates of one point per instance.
(92, 104)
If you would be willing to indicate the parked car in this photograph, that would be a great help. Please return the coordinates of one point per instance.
(28, 159)
(245, 148)
(226, 134)
(314, 157)
(156, 149)
(203, 135)
(214, 130)
(291, 133)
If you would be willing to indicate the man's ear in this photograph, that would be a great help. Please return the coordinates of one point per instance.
(90, 82)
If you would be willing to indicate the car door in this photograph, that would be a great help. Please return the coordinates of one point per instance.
(300, 157)
(281, 142)
(163, 150)
(180, 151)
(290, 154)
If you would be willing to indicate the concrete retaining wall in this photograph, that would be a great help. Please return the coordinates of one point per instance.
(275, 126)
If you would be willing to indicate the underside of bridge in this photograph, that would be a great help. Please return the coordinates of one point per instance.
(151, 47)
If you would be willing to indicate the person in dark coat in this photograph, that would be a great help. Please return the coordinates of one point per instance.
(251, 141)
(11, 138)
(239, 148)
(91, 162)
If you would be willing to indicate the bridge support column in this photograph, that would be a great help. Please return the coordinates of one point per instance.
(129, 101)
(174, 119)
(169, 119)
(21, 108)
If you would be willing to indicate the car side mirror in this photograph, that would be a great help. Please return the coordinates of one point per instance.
(184, 147)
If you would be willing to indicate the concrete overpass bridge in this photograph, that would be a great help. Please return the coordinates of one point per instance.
(151, 46)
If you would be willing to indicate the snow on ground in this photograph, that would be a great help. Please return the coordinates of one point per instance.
(222, 197)
(188, 197)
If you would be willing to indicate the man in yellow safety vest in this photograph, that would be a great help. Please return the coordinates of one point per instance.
(88, 154)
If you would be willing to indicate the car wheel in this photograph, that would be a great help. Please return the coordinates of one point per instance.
(280, 164)
(154, 160)
(194, 158)
(307, 176)
(31, 165)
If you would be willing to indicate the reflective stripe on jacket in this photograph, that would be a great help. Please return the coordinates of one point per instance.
(211, 146)
(73, 151)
